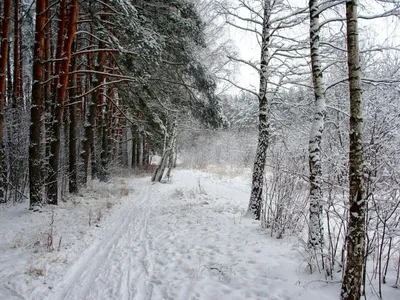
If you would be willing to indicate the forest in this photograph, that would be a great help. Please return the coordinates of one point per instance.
(93, 89)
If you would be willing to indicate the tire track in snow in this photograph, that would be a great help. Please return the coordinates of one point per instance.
(84, 275)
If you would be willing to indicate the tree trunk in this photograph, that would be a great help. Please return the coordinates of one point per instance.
(254, 208)
(60, 92)
(171, 158)
(88, 154)
(35, 131)
(159, 171)
(89, 117)
(87, 143)
(140, 149)
(52, 106)
(72, 161)
(17, 74)
(21, 103)
(316, 229)
(112, 125)
(352, 281)
(104, 155)
(16, 112)
(47, 74)
(5, 27)
(134, 148)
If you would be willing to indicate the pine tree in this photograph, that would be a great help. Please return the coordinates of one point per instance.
(35, 132)
(73, 119)
(17, 67)
(66, 32)
(4, 36)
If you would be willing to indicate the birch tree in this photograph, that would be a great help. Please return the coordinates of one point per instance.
(263, 119)
(279, 57)
(316, 230)
(352, 280)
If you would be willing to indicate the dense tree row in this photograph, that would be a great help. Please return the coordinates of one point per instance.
(102, 77)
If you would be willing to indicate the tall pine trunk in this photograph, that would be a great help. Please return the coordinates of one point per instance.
(52, 110)
(88, 118)
(35, 130)
(17, 111)
(134, 147)
(17, 71)
(60, 92)
(87, 143)
(47, 74)
(352, 280)
(105, 130)
(316, 229)
(255, 202)
(88, 153)
(140, 149)
(72, 158)
(5, 28)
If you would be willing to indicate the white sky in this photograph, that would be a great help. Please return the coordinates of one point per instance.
(381, 31)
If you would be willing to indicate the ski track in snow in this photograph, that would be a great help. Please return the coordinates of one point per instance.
(182, 241)
(162, 247)
(106, 269)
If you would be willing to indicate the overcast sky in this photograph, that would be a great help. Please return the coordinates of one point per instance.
(381, 31)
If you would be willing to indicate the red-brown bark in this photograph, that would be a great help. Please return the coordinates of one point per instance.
(35, 163)
(5, 27)
(53, 110)
(72, 163)
(95, 109)
(17, 78)
(47, 86)
(63, 58)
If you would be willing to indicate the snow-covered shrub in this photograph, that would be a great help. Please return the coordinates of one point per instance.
(286, 193)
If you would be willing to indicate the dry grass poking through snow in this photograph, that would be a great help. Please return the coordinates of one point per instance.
(182, 240)
(35, 246)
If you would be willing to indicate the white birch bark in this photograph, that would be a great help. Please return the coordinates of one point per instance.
(316, 230)
(167, 158)
(254, 208)
(171, 159)
(352, 281)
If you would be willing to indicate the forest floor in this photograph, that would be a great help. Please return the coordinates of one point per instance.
(130, 239)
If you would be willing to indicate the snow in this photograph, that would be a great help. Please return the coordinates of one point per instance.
(182, 240)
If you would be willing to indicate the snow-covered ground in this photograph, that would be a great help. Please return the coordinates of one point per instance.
(130, 239)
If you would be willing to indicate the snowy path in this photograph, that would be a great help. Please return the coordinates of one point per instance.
(180, 241)
(106, 269)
